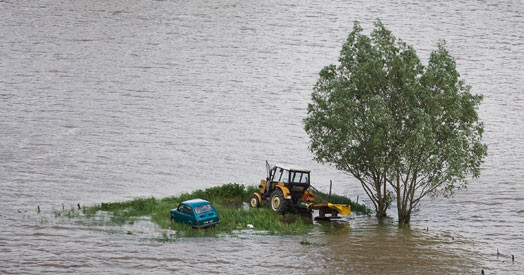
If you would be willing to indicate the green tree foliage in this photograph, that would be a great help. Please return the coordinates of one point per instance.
(402, 129)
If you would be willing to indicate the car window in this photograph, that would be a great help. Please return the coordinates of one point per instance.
(185, 209)
(203, 208)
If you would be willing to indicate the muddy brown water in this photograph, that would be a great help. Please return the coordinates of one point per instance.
(110, 100)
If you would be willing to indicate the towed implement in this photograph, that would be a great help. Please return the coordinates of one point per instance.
(288, 188)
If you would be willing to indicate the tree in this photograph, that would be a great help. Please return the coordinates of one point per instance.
(402, 129)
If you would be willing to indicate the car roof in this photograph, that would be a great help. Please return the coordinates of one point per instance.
(195, 202)
(292, 167)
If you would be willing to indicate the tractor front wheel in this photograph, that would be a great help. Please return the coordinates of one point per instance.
(278, 203)
(254, 201)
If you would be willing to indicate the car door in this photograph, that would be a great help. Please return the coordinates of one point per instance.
(177, 215)
(186, 214)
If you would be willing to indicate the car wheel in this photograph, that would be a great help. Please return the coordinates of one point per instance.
(278, 203)
(254, 201)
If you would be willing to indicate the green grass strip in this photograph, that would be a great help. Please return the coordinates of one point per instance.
(228, 201)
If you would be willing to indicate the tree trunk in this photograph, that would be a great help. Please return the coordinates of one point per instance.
(381, 202)
(404, 217)
(404, 212)
(381, 208)
(398, 195)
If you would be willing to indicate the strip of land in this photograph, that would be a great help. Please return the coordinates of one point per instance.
(230, 202)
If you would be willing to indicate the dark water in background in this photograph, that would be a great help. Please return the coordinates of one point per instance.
(109, 100)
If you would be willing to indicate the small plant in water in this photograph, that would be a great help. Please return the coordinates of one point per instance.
(305, 242)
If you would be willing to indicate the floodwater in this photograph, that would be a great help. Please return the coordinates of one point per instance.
(110, 100)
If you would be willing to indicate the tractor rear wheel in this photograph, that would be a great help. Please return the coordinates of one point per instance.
(278, 203)
(254, 201)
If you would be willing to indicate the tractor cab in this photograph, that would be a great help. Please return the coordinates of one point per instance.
(294, 178)
(285, 186)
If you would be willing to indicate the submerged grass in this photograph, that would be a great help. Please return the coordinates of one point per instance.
(229, 201)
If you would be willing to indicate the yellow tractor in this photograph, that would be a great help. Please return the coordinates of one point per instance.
(288, 188)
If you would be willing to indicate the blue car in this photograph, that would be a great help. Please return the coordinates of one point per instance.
(198, 213)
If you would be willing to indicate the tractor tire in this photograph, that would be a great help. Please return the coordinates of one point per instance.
(278, 203)
(254, 202)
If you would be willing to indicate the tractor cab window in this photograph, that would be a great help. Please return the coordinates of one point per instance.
(305, 178)
(285, 176)
(299, 177)
(280, 175)
(277, 174)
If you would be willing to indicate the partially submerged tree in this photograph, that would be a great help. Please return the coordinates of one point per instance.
(383, 117)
